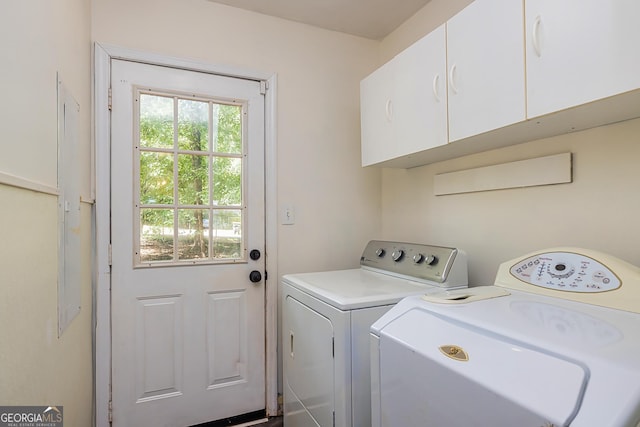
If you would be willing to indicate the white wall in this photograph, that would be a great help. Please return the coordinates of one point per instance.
(318, 124)
(39, 38)
(598, 210)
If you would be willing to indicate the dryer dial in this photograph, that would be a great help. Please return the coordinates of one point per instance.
(397, 255)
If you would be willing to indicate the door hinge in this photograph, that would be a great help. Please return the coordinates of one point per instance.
(110, 411)
(110, 254)
(110, 100)
(263, 87)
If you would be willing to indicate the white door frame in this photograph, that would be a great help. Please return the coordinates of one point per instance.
(103, 54)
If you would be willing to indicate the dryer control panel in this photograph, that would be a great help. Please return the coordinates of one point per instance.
(577, 274)
(566, 271)
(433, 265)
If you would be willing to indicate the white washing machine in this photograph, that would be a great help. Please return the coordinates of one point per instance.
(326, 318)
(556, 342)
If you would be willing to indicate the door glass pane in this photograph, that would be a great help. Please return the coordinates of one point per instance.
(191, 192)
(156, 121)
(156, 235)
(193, 235)
(193, 176)
(193, 125)
(227, 128)
(156, 178)
(226, 232)
(227, 181)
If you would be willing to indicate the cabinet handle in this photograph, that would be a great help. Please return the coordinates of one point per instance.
(452, 82)
(536, 35)
(388, 108)
(435, 87)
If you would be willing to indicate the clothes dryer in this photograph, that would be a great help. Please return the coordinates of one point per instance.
(326, 318)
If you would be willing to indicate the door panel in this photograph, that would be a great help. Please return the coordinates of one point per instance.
(158, 331)
(226, 346)
(187, 323)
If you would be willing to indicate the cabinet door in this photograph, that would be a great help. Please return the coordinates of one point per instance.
(403, 104)
(420, 100)
(376, 115)
(485, 48)
(579, 51)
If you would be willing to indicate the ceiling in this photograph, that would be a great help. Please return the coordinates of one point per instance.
(373, 19)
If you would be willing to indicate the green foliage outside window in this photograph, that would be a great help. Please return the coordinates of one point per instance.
(194, 160)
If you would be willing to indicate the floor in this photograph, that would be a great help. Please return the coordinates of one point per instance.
(273, 422)
(245, 420)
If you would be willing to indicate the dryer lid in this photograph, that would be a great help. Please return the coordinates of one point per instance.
(460, 370)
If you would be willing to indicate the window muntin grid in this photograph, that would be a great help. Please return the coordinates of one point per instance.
(190, 157)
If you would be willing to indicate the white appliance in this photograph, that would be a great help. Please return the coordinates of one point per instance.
(326, 318)
(556, 342)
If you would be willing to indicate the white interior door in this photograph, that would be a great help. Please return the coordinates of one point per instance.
(187, 199)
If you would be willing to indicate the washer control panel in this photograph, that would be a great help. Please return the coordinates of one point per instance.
(445, 267)
(575, 274)
(566, 271)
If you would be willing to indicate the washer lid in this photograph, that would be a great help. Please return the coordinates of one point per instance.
(466, 296)
(462, 372)
(357, 288)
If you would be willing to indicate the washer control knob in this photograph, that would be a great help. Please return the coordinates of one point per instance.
(431, 260)
(418, 258)
(397, 255)
(380, 252)
(561, 270)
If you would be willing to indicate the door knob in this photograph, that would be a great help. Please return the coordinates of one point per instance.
(255, 276)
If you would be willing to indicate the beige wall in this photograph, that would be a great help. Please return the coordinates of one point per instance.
(422, 23)
(318, 120)
(37, 39)
(598, 210)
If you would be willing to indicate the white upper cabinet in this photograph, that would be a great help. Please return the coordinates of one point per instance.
(403, 103)
(579, 51)
(376, 115)
(421, 95)
(486, 67)
(503, 72)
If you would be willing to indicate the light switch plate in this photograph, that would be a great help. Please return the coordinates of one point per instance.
(288, 215)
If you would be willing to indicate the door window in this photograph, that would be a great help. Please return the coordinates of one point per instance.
(189, 154)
